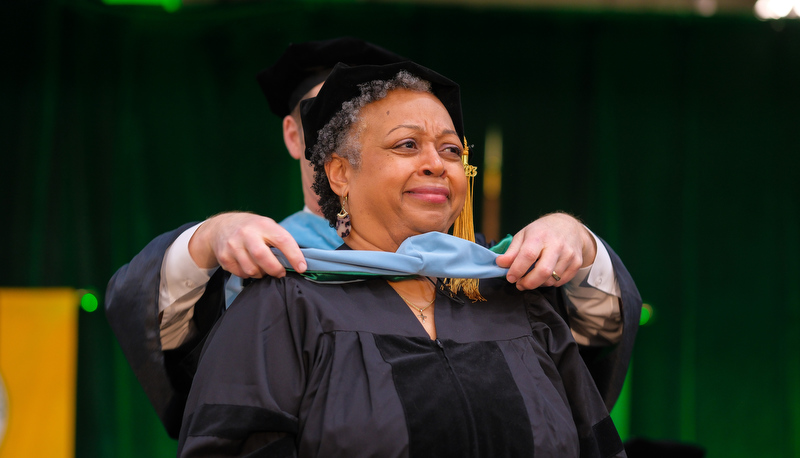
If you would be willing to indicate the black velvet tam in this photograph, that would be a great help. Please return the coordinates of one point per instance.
(304, 65)
(342, 85)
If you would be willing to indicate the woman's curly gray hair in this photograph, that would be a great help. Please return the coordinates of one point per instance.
(340, 135)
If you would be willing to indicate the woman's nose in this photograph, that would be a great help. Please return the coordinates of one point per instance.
(432, 162)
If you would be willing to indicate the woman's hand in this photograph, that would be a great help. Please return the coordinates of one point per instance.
(240, 243)
(556, 243)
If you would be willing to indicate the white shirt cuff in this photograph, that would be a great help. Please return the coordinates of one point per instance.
(182, 285)
(593, 301)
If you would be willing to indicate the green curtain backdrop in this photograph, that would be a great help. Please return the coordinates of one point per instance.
(673, 137)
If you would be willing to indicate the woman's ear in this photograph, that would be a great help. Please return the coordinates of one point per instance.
(338, 171)
(292, 137)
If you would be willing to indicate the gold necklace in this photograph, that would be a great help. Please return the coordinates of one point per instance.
(421, 316)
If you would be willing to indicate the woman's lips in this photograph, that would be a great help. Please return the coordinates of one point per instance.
(433, 194)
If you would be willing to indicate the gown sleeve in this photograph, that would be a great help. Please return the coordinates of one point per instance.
(596, 431)
(609, 365)
(131, 305)
(246, 395)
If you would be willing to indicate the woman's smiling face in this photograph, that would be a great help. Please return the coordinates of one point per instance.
(410, 179)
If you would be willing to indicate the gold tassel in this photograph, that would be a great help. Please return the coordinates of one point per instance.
(464, 228)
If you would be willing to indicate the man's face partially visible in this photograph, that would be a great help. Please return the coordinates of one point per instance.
(306, 170)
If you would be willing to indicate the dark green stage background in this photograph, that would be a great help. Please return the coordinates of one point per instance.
(673, 137)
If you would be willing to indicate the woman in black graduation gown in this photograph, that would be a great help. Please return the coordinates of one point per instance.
(392, 367)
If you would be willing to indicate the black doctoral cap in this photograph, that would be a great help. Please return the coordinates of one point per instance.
(342, 85)
(304, 65)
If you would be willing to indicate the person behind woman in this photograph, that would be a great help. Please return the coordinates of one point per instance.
(401, 366)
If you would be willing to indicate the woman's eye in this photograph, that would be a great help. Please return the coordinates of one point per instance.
(453, 150)
(406, 144)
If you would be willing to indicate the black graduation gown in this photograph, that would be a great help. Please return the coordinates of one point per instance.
(296, 368)
(131, 306)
